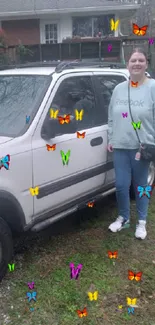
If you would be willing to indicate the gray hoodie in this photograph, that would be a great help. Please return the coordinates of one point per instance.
(121, 132)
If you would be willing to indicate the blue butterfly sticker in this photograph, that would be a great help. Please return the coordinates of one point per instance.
(5, 162)
(131, 310)
(144, 191)
(27, 119)
(31, 296)
(32, 309)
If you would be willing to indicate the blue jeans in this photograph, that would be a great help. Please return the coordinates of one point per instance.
(127, 169)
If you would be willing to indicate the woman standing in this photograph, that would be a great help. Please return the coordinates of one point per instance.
(123, 141)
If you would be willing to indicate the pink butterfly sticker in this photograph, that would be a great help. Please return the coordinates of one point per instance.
(74, 273)
(109, 47)
(30, 285)
(125, 114)
(151, 40)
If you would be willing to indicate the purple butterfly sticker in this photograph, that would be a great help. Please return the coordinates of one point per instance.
(151, 40)
(74, 273)
(109, 47)
(125, 114)
(30, 285)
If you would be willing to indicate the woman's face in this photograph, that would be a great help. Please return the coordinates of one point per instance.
(137, 66)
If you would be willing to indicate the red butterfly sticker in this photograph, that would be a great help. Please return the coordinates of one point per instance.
(90, 204)
(134, 276)
(81, 135)
(113, 254)
(51, 148)
(64, 119)
(134, 84)
(82, 313)
(139, 31)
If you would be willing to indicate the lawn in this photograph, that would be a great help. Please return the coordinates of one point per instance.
(44, 258)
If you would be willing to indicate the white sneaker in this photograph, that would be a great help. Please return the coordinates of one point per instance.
(141, 232)
(119, 224)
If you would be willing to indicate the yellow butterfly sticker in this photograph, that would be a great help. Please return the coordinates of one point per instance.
(120, 307)
(53, 114)
(79, 115)
(114, 25)
(131, 302)
(93, 296)
(34, 191)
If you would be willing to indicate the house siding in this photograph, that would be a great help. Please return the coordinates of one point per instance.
(66, 27)
(27, 31)
(64, 24)
(32, 31)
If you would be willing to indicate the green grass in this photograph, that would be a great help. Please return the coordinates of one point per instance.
(46, 262)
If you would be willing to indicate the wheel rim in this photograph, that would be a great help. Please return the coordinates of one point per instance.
(151, 175)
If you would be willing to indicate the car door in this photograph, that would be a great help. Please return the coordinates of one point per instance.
(105, 82)
(61, 185)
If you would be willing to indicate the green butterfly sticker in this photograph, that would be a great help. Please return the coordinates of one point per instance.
(11, 267)
(65, 157)
(136, 125)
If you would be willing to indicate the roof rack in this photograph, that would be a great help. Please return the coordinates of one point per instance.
(77, 64)
(53, 63)
(62, 65)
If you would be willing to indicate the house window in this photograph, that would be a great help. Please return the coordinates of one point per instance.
(91, 26)
(51, 34)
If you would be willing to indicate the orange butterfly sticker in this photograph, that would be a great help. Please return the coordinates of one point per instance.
(134, 276)
(134, 84)
(139, 31)
(82, 313)
(81, 135)
(113, 254)
(90, 204)
(51, 148)
(64, 119)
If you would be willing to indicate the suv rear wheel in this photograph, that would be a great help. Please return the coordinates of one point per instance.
(150, 180)
(6, 247)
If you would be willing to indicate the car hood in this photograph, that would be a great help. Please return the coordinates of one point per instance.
(5, 139)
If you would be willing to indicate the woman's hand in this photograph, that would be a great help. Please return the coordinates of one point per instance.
(110, 148)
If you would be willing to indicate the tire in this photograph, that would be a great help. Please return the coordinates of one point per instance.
(6, 247)
(151, 179)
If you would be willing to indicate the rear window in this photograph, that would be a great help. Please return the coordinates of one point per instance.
(20, 96)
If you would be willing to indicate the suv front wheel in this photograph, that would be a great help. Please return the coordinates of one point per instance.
(6, 247)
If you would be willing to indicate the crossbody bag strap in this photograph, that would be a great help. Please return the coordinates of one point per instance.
(130, 110)
(152, 97)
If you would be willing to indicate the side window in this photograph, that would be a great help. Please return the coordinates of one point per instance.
(105, 86)
(74, 94)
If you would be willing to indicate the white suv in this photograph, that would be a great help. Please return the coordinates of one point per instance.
(53, 144)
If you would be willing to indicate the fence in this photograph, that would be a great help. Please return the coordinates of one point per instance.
(82, 49)
(76, 49)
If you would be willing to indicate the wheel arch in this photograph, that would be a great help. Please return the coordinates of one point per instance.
(11, 211)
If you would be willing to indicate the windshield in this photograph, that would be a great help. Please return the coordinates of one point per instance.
(20, 98)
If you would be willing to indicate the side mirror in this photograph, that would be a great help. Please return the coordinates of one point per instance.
(52, 128)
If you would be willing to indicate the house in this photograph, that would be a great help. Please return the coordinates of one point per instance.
(52, 21)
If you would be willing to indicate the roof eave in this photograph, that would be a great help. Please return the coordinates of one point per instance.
(69, 10)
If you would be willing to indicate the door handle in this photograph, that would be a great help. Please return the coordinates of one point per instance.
(96, 141)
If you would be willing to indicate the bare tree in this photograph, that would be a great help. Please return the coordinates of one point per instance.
(143, 15)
